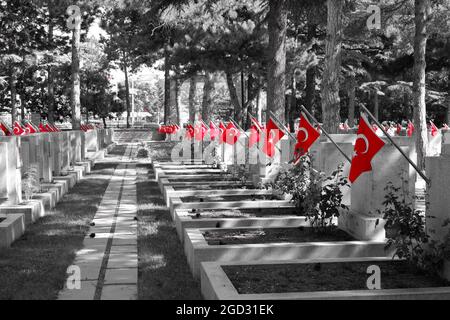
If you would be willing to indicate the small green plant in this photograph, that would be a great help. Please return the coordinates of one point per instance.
(216, 162)
(294, 181)
(143, 151)
(239, 173)
(330, 200)
(318, 198)
(406, 232)
(31, 182)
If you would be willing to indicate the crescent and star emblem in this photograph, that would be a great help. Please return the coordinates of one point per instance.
(306, 134)
(366, 142)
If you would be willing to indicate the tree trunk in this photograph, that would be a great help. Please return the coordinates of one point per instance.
(311, 75)
(51, 80)
(407, 111)
(258, 112)
(252, 93)
(12, 88)
(233, 95)
(292, 105)
(127, 89)
(22, 106)
(75, 94)
(330, 81)
(177, 104)
(166, 87)
(208, 90)
(104, 123)
(422, 11)
(376, 106)
(173, 101)
(192, 93)
(276, 82)
(351, 103)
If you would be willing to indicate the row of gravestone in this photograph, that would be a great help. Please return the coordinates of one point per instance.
(367, 193)
(51, 154)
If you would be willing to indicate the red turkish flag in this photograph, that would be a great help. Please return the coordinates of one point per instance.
(6, 130)
(306, 137)
(189, 131)
(213, 131)
(434, 129)
(410, 129)
(399, 128)
(222, 129)
(29, 128)
(42, 128)
(200, 131)
(18, 129)
(255, 132)
(272, 137)
(367, 145)
(255, 136)
(231, 134)
(49, 128)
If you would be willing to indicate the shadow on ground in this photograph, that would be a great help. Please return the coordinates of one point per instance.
(34, 268)
(163, 270)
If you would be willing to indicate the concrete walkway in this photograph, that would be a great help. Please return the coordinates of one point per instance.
(108, 263)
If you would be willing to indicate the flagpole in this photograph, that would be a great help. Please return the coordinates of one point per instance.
(326, 133)
(427, 180)
(273, 116)
(251, 116)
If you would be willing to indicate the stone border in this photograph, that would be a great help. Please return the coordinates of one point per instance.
(169, 193)
(11, 229)
(49, 199)
(177, 203)
(57, 187)
(169, 166)
(216, 285)
(197, 250)
(32, 210)
(160, 172)
(183, 221)
(164, 183)
(70, 178)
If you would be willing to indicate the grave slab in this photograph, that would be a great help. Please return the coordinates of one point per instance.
(12, 227)
(216, 285)
(197, 250)
(31, 210)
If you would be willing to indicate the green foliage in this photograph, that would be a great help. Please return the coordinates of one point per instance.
(240, 173)
(31, 182)
(317, 197)
(406, 233)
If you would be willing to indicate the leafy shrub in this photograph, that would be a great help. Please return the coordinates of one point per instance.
(406, 233)
(240, 173)
(317, 197)
(31, 182)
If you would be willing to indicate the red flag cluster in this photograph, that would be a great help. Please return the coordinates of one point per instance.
(172, 129)
(26, 128)
(48, 127)
(87, 127)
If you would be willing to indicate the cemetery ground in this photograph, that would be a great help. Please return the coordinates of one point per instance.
(143, 226)
(34, 267)
(163, 270)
